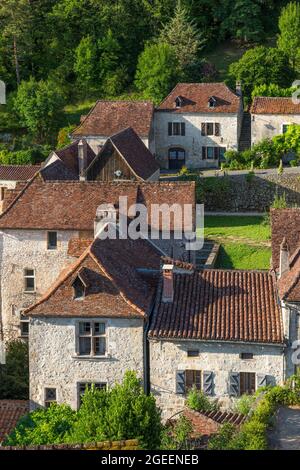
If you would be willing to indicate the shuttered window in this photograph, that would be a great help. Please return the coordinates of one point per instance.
(193, 379)
(176, 128)
(247, 383)
(211, 128)
(213, 153)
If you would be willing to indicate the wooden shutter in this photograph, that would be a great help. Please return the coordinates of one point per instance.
(216, 153)
(180, 382)
(183, 128)
(203, 128)
(234, 384)
(263, 380)
(203, 153)
(217, 129)
(208, 382)
(169, 128)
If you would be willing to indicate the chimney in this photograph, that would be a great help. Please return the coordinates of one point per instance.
(238, 88)
(284, 264)
(82, 160)
(168, 283)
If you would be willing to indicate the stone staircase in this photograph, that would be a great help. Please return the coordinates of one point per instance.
(245, 137)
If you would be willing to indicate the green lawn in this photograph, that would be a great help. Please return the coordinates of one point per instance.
(244, 241)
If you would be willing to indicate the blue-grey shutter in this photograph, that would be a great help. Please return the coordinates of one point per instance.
(180, 381)
(183, 128)
(208, 382)
(234, 384)
(170, 128)
(203, 128)
(263, 380)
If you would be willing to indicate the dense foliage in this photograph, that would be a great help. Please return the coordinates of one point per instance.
(14, 374)
(176, 435)
(198, 401)
(122, 412)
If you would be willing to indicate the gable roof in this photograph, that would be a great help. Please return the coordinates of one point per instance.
(220, 305)
(133, 150)
(18, 172)
(110, 117)
(289, 282)
(195, 97)
(67, 166)
(285, 223)
(115, 287)
(72, 205)
(274, 105)
(10, 413)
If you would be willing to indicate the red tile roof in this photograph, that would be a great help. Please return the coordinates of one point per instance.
(18, 172)
(77, 246)
(115, 286)
(10, 413)
(274, 105)
(220, 305)
(195, 97)
(110, 117)
(289, 283)
(138, 157)
(284, 223)
(72, 205)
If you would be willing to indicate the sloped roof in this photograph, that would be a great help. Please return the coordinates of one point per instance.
(10, 413)
(274, 105)
(220, 305)
(67, 167)
(72, 205)
(110, 117)
(115, 287)
(289, 282)
(18, 172)
(195, 97)
(285, 223)
(138, 157)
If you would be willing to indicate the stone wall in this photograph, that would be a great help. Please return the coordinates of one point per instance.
(268, 125)
(168, 357)
(53, 362)
(256, 193)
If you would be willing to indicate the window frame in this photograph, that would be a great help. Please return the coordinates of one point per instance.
(285, 125)
(197, 379)
(27, 276)
(246, 356)
(98, 385)
(48, 401)
(93, 336)
(245, 384)
(193, 353)
(49, 246)
(23, 321)
(216, 129)
(171, 129)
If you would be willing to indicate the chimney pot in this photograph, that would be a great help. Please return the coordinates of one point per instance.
(284, 264)
(168, 283)
(82, 160)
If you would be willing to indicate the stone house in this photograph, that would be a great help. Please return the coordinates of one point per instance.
(90, 327)
(107, 118)
(40, 220)
(217, 330)
(196, 123)
(271, 116)
(13, 175)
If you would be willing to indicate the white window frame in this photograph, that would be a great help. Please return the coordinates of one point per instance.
(52, 247)
(27, 276)
(47, 402)
(93, 338)
(23, 320)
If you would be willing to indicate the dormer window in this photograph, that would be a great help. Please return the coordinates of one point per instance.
(212, 102)
(79, 289)
(178, 102)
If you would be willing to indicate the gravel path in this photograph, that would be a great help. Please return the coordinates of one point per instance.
(286, 434)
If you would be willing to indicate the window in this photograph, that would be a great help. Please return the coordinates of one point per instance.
(178, 102)
(193, 353)
(246, 355)
(210, 128)
(213, 153)
(79, 288)
(50, 396)
(24, 327)
(52, 240)
(176, 128)
(92, 339)
(29, 280)
(82, 386)
(192, 379)
(247, 383)
(212, 102)
(285, 128)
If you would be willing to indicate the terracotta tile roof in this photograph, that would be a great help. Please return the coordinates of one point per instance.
(220, 305)
(67, 167)
(77, 246)
(110, 117)
(195, 97)
(115, 287)
(274, 105)
(10, 413)
(18, 172)
(134, 151)
(72, 205)
(284, 223)
(289, 283)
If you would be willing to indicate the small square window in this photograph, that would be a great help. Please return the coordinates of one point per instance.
(29, 280)
(193, 353)
(52, 240)
(24, 328)
(246, 355)
(50, 396)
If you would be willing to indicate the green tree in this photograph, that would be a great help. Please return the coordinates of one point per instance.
(289, 37)
(271, 90)
(156, 71)
(14, 374)
(262, 65)
(113, 76)
(86, 62)
(182, 35)
(243, 20)
(39, 106)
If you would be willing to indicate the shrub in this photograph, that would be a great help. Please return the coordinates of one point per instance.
(63, 138)
(184, 171)
(14, 374)
(294, 163)
(279, 202)
(196, 400)
(175, 437)
(244, 404)
(223, 439)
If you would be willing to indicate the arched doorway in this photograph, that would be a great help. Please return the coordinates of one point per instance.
(176, 158)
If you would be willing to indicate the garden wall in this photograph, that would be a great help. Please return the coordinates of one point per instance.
(243, 193)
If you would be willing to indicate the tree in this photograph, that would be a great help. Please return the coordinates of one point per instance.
(39, 105)
(85, 65)
(271, 90)
(113, 76)
(289, 37)
(243, 20)
(182, 35)
(156, 71)
(14, 374)
(259, 66)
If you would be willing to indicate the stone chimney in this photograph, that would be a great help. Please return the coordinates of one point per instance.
(168, 283)
(82, 160)
(284, 264)
(238, 88)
